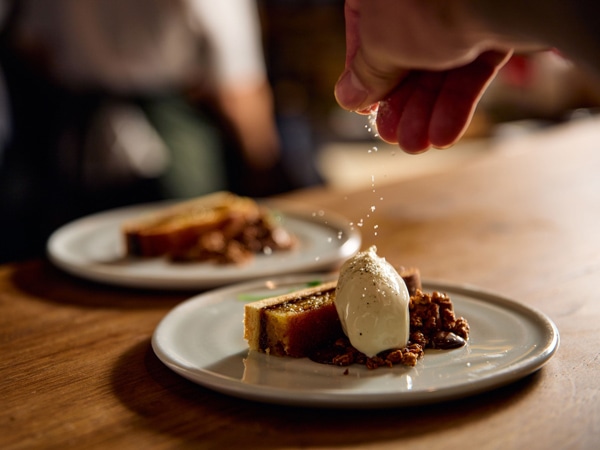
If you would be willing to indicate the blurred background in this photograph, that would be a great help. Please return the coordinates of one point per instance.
(305, 45)
(105, 103)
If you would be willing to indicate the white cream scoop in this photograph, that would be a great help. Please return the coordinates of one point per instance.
(372, 302)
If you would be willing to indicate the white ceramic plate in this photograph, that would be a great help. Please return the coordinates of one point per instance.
(92, 248)
(202, 340)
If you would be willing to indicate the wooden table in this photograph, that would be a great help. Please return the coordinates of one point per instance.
(77, 369)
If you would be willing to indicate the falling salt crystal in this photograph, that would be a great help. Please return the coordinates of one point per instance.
(372, 127)
(373, 208)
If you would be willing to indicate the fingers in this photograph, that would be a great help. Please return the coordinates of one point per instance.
(413, 134)
(403, 118)
(462, 90)
(391, 110)
(433, 109)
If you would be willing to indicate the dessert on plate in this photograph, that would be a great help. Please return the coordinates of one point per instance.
(221, 227)
(293, 324)
(372, 315)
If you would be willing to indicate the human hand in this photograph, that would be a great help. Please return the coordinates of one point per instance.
(422, 66)
(434, 108)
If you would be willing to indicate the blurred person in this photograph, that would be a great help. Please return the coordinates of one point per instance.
(422, 66)
(106, 103)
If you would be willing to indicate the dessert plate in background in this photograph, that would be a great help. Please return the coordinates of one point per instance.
(202, 340)
(93, 248)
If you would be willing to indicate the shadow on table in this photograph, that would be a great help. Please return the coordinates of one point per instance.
(40, 279)
(170, 404)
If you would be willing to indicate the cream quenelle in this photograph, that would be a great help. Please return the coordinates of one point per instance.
(372, 302)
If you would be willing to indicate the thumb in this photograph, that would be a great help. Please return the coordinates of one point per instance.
(363, 84)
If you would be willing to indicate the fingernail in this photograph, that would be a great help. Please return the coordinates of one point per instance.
(350, 93)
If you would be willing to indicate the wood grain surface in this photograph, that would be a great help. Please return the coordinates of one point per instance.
(77, 369)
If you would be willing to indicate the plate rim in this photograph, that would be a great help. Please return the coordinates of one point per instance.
(334, 400)
(297, 211)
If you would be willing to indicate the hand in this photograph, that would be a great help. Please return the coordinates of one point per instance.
(422, 66)
(433, 109)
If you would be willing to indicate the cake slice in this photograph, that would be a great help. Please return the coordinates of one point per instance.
(175, 228)
(293, 324)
